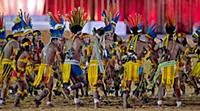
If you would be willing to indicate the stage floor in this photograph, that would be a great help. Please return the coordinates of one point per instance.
(111, 103)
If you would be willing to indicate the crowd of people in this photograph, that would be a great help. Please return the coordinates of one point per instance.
(101, 61)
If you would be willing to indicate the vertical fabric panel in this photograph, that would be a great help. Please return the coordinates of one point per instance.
(11, 7)
(76, 3)
(121, 9)
(186, 12)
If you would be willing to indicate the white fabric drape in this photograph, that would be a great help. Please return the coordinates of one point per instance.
(11, 7)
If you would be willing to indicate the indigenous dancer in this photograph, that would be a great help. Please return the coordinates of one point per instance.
(2, 33)
(98, 33)
(95, 70)
(86, 55)
(111, 17)
(116, 62)
(153, 53)
(36, 50)
(9, 53)
(28, 33)
(106, 42)
(134, 40)
(195, 73)
(71, 66)
(184, 66)
(49, 54)
(136, 50)
(57, 67)
(23, 59)
(169, 66)
(2, 38)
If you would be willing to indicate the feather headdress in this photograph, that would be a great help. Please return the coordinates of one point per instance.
(151, 32)
(26, 22)
(110, 17)
(19, 25)
(170, 25)
(57, 23)
(77, 19)
(134, 23)
(170, 28)
(196, 30)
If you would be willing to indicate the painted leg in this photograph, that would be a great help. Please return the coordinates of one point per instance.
(20, 93)
(96, 99)
(76, 98)
(194, 83)
(182, 85)
(50, 87)
(160, 94)
(4, 92)
(44, 93)
(126, 95)
(177, 92)
(17, 100)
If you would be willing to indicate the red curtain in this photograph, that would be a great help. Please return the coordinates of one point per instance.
(186, 12)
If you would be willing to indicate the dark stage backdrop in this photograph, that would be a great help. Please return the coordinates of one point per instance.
(186, 12)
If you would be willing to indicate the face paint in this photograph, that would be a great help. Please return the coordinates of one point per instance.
(86, 41)
(195, 40)
(38, 38)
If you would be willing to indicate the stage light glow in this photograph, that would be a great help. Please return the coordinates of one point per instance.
(40, 6)
(20, 5)
(5, 4)
(33, 7)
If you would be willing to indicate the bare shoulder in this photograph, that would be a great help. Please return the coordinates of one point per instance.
(181, 46)
(142, 43)
(53, 48)
(24, 54)
(15, 43)
(77, 42)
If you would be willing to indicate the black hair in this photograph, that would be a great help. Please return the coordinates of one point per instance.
(198, 41)
(198, 51)
(99, 31)
(41, 44)
(37, 31)
(135, 30)
(170, 29)
(23, 48)
(76, 28)
(53, 39)
(10, 36)
(117, 38)
(184, 42)
(26, 48)
(16, 38)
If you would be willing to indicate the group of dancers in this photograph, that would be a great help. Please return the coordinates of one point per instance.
(101, 61)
